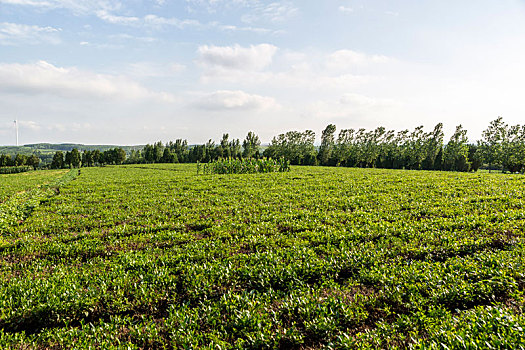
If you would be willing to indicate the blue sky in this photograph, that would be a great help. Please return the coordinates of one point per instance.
(132, 72)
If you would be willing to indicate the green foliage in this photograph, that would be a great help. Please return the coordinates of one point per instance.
(58, 160)
(502, 147)
(251, 145)
(244, 166)
(15, 169)
(20, 205)
(327, 145)
(14, 183)
(73, 159)
(152, 256)
(490, 145)
(297, 147)
(513, 149)
(455, 154)
(380, 148)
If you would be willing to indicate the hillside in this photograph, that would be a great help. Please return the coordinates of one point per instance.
(50, 148)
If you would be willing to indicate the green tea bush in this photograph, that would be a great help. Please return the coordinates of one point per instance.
(244, 166)
(157, 257)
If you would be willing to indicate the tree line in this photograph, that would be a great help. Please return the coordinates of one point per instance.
(19, 160)
(180, 152)
(76, 159)
(502, 147)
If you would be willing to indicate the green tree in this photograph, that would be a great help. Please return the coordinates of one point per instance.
(67, 159)
(327, 145)
(180, 148)
(75, 159)
(490, 145)
(135, 157)
(371, 147)
(474, 157)
(148, 153)
(96, 156)
(225, 146)
(251, 145)
(119, 155)
(33, 161)
(58, 160)
(297, 147)
(455, 155)
(168, 156)
(20, 160)
(158, 151)
(5, 160)
(433, 146)
(344, 149)
(235, 148)
(209, 148)
(512, 153)
(197, 153)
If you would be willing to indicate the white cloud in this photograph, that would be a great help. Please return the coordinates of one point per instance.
(255, 57)
(127, 37)
(14, 34)
(273, 12)
(214, 5)
(233, 100)
(29, 124)
(151, 69)
(362, 101)
(256, 11)
(345, 9)
(357, 109)
(299, 71)
(233, 28)
(76, 6)
(156, 22)
(347, 59)
(108, 10)
(123, 20)
(27, 3)
(45, 78)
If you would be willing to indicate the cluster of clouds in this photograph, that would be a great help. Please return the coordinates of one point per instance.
(234, 80)
(16, 34)
(303, 87)
(234, 100)
(219, 63)
(254, 57)
(256, 10)
(45, 78)
(116, 12)
(249, 67)
(78, 7)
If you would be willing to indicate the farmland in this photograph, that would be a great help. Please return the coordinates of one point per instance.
(11, 184)
(156, 256)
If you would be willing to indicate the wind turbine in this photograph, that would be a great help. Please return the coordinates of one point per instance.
(16, 129)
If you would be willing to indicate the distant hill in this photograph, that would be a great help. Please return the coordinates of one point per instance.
(50, 148)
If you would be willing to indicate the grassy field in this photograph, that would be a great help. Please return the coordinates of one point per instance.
(13, 183)
(156, 256)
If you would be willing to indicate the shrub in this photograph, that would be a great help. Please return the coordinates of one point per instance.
(244, 166)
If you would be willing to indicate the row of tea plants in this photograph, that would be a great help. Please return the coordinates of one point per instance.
(158, 257)
(244, 166)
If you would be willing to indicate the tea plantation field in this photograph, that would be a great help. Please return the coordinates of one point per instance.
(156, 256)
(11, 184)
